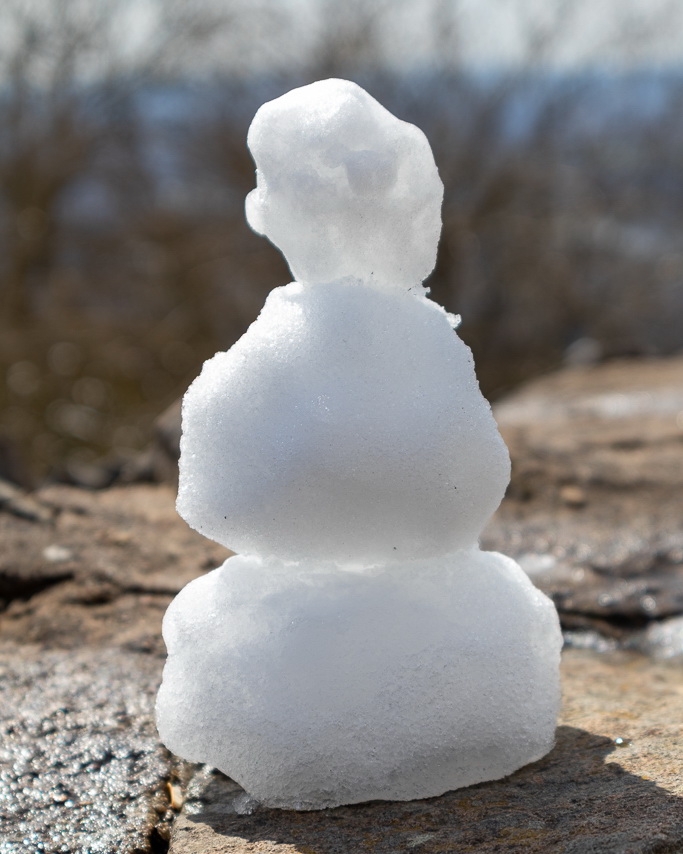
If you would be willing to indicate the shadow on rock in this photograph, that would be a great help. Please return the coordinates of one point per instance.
(572, 801)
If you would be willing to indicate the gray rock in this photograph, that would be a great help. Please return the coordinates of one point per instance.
(128, 554)
(594, 507)
(81, 767)
(85, 583)
(15, 500)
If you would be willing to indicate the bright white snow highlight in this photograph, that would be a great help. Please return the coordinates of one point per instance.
(346, 425)
(344, 188)
(361, 646)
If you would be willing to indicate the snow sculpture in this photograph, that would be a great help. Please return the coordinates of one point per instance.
(360, 646)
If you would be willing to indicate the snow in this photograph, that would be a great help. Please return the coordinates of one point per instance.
(315, 687)
(346, 425)
(344, 188)
(361, 645)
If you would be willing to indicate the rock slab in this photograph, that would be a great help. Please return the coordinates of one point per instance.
(593, 512)
(81, 768)
(594, 507)
(84, 581)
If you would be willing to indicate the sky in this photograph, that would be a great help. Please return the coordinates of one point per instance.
(263, 34)
(503, 33)
(591, 32)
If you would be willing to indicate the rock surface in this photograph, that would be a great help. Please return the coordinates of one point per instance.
(85, 579)
(594, 507)
(84, 568)
(81, 768)
(612, 785)
(593, 512)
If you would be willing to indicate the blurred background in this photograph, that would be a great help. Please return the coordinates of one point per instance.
(125, 259)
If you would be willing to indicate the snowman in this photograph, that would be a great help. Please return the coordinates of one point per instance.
(360, 645)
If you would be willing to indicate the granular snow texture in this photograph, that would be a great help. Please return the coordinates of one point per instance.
(361, 646)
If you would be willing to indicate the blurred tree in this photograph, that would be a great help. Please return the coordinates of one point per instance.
(125, 259)
(90, 244)
(69, 73)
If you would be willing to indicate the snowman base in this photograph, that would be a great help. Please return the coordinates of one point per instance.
(315, 686)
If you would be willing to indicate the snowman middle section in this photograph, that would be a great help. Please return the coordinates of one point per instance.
(356, 432)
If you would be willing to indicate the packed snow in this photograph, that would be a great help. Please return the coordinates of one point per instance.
(361, 645)
(344, 188)
(346, 425)
(313, 686)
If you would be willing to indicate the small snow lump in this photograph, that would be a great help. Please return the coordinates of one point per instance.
(344, 188)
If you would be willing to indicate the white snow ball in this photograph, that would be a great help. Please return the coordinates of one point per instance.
(345, 425)
(314, 687)
(344, 188)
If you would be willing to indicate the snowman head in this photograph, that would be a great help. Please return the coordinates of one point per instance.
(344, 188)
